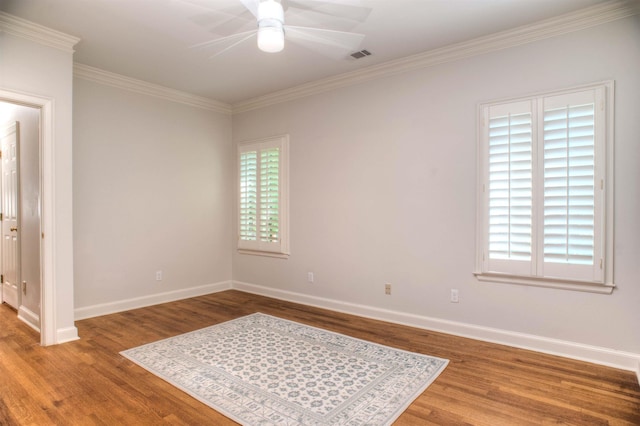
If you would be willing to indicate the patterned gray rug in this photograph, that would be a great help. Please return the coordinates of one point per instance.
(261, 370)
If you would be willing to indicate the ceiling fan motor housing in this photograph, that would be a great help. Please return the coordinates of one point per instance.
(270, 26)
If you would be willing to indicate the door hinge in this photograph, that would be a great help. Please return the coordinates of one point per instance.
(1, 278)
(1, 216)
(601, 262)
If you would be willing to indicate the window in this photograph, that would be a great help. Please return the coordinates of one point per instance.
(263, 203)
(545, 189)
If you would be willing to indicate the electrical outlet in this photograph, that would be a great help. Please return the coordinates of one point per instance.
(454, 295)
(387, 288)
(158, 275)
(310, 277)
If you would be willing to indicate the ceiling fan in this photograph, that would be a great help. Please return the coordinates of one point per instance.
(271, 30)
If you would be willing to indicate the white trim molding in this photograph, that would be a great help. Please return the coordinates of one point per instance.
(139, 86)
(598, 355)
(68, 334)
(149, 300)
(546, 283)
(29, 317)
(49, 333)
(34, 32)
(575, 21)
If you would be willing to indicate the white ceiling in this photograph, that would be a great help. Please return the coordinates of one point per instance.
(152, 40)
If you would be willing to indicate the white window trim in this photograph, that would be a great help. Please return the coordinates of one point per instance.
(282, 141)
(607, 285)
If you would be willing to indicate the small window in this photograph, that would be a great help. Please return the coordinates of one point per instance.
(545, 189)
(263, 191)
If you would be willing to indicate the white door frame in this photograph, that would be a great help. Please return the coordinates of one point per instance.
(47, 221)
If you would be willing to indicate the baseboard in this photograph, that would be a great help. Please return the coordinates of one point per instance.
(598, 355)
(64, 335)
(29, 317)
(32, 319)
(144, 301)
(638, 372)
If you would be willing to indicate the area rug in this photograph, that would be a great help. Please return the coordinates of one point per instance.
(262, 370)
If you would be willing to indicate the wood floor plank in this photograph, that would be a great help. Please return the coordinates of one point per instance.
(88, 382)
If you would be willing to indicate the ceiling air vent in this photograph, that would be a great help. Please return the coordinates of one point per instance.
(360, 54)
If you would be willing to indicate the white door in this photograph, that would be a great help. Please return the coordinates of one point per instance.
(10, 247)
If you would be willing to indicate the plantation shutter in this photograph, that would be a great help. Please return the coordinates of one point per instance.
(570, 235)
(510, 186)
(248, 209)
(262, 197)
(542, 205)
(269, 195)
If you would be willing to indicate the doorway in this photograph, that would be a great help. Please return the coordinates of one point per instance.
(20, 209)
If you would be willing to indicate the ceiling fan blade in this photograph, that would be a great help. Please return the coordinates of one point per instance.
(233, 45)
(337, 8)
(340, 42)
(252, 5)
(350, 2)
(205, 6)
(219, 20)
(232, 39)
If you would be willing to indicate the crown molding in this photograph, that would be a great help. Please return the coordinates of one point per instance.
(34, 32)
(563, 24)
(134, 85)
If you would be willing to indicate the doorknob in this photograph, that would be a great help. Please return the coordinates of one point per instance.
(13, 229)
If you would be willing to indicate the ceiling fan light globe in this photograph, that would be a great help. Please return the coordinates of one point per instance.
(270, 39)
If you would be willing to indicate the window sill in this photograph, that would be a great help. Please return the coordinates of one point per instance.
(548, 283)
(264, 253)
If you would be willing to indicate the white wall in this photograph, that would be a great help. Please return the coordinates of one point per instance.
(152, 190)
(36, 70)
(383, 189)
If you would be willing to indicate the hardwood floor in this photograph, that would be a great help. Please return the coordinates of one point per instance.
(87, 382)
